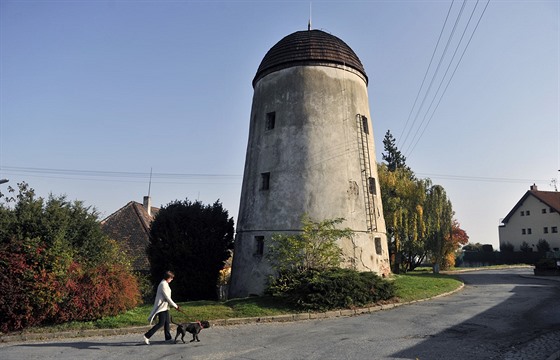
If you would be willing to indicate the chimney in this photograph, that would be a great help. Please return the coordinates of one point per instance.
(148, 205)
(534, 187)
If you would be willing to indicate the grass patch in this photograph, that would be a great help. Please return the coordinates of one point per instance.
(422, 285)
(411, 286)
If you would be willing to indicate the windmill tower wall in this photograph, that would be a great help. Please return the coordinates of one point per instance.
(310, 150)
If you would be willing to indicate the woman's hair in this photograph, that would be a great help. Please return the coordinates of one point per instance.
(168, 275)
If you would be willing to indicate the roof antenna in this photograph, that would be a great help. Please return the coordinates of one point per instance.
(309, 22)
(150, 184)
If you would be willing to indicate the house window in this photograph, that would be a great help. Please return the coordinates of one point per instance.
(259, 245)
(523, 232)
(270, 120)
(529, 231)
(554, 229)
(527, 213)
(545, 230)
(265, 181)
(523, 213)
(551, 210)
(544, 211)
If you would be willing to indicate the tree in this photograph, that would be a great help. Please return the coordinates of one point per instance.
(438, 219)
(452, 244)
(314, 248)
(525, 247)
(392, 155)
(56, 265)
(308, 274)
(194, 241)
(543, 246)
(403, 198)
(472, 247)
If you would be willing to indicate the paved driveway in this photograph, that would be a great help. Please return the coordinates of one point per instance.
(500, 314)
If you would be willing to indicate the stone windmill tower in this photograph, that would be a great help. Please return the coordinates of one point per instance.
(310, 150)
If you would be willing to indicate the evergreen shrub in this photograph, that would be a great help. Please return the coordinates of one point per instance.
(332, 288)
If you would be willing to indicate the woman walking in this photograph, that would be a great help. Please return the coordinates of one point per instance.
(161, 309)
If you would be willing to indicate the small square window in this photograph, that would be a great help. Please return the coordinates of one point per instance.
(545, 230)
(270, 120)
(544, 211)
(554, 229)
(523, 213)
(265, 181)
(527, 213)
(259, 245)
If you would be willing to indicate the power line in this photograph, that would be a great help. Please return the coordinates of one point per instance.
(434, 75)
(116, 175)
(413, 144)
(425, 76)
(480, 178)
(419, 131)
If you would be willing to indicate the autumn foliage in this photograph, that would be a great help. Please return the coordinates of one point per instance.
(56, 265)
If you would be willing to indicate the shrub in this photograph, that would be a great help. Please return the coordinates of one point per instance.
(56, 265)
(333, 288)
(543, 246)
(506, 247)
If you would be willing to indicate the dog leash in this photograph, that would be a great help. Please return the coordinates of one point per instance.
(181, 311)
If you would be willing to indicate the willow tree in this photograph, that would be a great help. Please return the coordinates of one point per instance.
(439, 224)
(403, 198)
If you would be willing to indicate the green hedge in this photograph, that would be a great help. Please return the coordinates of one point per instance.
(331, 289)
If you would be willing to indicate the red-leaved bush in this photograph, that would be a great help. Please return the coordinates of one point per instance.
(56, 264)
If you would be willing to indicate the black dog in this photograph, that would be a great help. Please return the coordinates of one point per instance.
(194, 328)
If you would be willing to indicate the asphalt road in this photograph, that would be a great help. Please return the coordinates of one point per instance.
(500, 314)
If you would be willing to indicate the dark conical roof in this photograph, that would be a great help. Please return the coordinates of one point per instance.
(308, 47)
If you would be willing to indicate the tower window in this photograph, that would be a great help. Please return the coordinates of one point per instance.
(265, 181)
(529, 231)
(378, 248)
(523, 232)
(372, 187)
(365, 124)
(554, 229)
(545, 230)
(270, 120)
(259, 245)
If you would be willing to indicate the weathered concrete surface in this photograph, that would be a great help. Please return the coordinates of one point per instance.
(315, 157)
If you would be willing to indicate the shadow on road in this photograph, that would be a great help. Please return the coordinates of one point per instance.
(507, 327)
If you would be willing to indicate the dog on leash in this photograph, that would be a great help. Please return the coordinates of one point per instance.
(193, 327)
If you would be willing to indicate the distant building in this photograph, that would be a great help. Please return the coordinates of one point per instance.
(130, 226)
(536, 216)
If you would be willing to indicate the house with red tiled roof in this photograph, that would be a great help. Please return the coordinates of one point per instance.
(130, 226)
(536, 216)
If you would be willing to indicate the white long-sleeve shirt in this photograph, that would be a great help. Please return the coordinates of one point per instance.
(162, 301)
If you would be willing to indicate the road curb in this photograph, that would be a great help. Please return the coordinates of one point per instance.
(23, 337)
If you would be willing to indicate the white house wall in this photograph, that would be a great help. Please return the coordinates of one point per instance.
(537, 222)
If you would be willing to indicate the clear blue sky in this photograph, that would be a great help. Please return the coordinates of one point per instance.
(107, 90)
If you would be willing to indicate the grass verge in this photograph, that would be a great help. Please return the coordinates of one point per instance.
(412, 286)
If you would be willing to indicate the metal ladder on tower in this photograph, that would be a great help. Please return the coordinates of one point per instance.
(368, 185)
